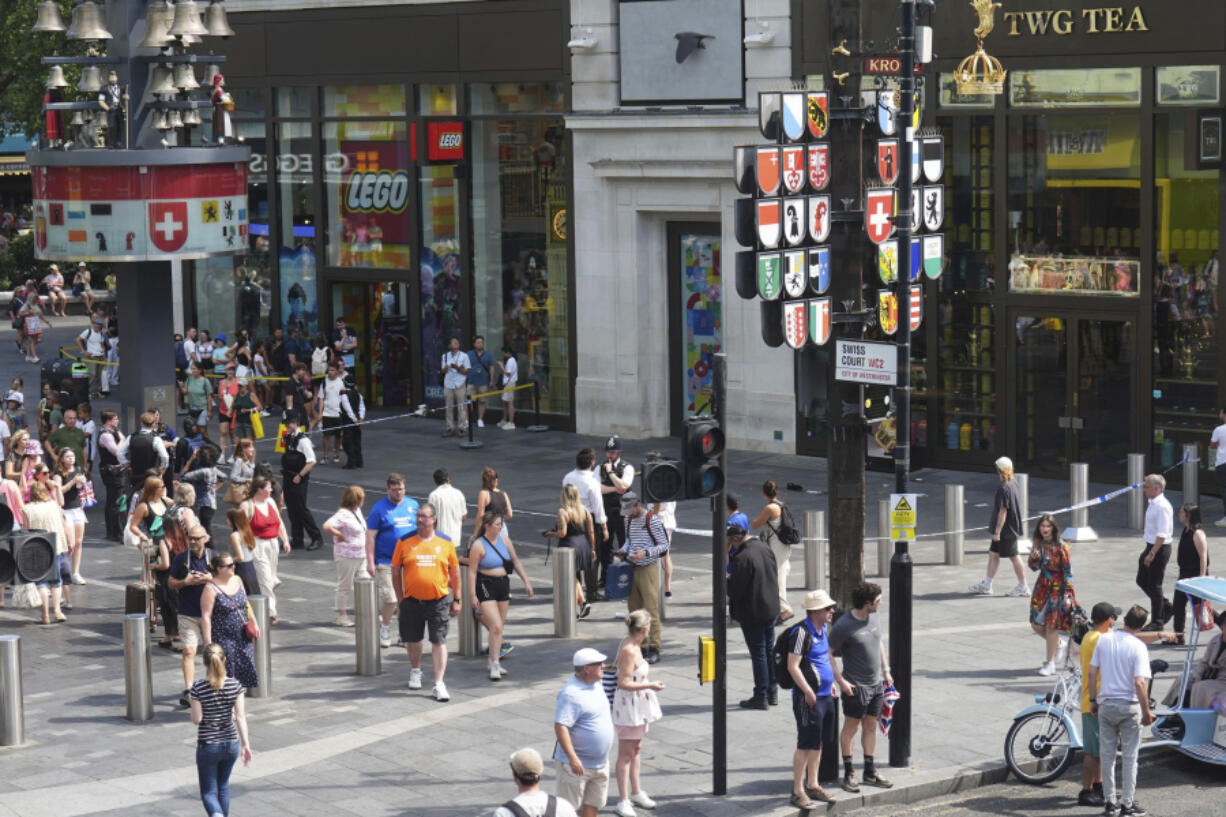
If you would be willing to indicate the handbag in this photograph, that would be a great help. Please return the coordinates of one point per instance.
(1203, 612)
(236, 493)
(257, 425)
(34, 325)
(280, 445)
(251, 630)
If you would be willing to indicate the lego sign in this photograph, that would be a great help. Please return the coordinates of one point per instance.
(445, 141)
(139, 213)
(374, 191)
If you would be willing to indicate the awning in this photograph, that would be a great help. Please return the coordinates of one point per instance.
(14, 166)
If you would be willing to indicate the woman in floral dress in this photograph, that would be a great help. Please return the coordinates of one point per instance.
(1053, 600)
(223, 610)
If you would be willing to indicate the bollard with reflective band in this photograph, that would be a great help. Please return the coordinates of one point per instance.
(469, 625)
(1023, 498)
(565, 603)
(138, 667)
(885, 545)
(815, 549)
(955, 540)
(1136, 499)
(1191, 474)
(1079, 529)
(262, 647)
(366, 615)
(12, 705)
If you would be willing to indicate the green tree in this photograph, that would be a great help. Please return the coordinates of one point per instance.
(22, 74)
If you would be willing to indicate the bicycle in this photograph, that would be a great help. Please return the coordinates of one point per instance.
(1044, 737)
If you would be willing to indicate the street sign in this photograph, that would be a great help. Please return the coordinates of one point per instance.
(886, 65)
(860, 361)
(903, 517)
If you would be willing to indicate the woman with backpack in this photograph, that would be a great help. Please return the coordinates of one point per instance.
(768, 523)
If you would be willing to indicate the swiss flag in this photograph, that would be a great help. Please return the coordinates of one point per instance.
(168, 224)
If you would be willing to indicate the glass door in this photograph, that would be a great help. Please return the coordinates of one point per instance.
(375, 312)
(1074, 392)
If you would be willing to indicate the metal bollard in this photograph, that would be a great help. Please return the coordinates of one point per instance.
(663, 612)
(565, 624)
(885, 547)
(815, 549)
(12, 704)
(470, 627)
(1023, 494)
(262, 647)
(138, 667)
(366, 613)
(1136, 498)
(955, 523)
(1079, 529)
(1191, 474)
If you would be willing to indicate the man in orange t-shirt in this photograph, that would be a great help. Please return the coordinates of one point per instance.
(426, 577)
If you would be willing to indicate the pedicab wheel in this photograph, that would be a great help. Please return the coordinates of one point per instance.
(1038, 748)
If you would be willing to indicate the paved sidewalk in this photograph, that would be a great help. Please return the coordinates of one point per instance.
(331, 741)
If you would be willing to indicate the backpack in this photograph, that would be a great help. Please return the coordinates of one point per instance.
(319, 362)
(293, 460)
(781, 651)
(786, 532)
(551, 807)
(174, 531)
(181, 361)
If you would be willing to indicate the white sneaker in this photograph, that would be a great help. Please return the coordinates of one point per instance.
(502, 670)
(1048, 668)
(77, 578)
(1018, 591)
(344, 621)
(625, 809)
(509, 427)
(1221, 523)
(440, 692)
(385, 635)
(480, 423)
(983, 588)
(414, 679)
(495, 675)
(641, 799)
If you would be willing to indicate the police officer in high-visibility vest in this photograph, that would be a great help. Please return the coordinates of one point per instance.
(616, 477)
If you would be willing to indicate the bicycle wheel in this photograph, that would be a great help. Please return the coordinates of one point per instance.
(1038, 748)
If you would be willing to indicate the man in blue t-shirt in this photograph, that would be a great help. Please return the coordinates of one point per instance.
(813, 675)
(583, 726)
(480, 365)
(189, 573)
(391, 519)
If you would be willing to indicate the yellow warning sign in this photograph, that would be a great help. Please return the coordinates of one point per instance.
(902, 517)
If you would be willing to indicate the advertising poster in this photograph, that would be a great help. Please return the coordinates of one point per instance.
(299, 300)
(369, 187)
(702, 305)
(440, 308)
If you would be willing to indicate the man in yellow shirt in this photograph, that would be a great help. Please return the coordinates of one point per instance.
(426, 577)
(1102, 617)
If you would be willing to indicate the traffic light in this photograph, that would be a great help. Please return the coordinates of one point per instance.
(663, 480)
(702, 443)
(27, 556)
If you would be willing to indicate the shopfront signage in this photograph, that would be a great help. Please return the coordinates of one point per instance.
(445, 141)
(1062, 22)
(886, 65)
(860, 361)
(382, 191)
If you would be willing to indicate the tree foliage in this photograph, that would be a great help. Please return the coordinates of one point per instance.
(22, 75)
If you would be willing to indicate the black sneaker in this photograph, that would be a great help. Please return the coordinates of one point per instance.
(1111, 810)
(651, 656)
(584, 610)
(772, 697)
(849, 782)
(1134, 810)
(754, 703)
(876, 780)
(1089, 797)
(183, 699)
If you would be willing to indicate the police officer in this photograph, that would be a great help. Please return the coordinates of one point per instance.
(296, 465)
(114, 472)
(353, 411)
(616, 477)
(145, 452)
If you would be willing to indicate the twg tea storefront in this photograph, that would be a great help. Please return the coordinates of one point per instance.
(411, 175)
(1078, 317)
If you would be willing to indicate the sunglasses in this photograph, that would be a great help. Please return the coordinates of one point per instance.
(227, 564)
(198, 538)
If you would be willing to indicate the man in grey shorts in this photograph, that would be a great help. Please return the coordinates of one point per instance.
(856, 638)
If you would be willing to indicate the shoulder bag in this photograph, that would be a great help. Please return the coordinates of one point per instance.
(251, 630)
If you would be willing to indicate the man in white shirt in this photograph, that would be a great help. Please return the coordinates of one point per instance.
(455, 387)
(330, 399)
(510, 378)
(1151, 565)
(1121, 664)
(1217, 444)
(93, 345)
(450, 508)
(584, 478)
(526, 770)
(189, 346)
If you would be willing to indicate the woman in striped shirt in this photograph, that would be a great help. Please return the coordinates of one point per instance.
(218, 709)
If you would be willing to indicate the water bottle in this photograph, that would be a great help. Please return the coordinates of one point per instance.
(951, 435)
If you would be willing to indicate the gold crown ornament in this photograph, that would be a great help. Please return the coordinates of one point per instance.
(981, 74)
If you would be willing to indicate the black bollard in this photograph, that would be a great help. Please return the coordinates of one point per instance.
(472, 422)
(536, 408)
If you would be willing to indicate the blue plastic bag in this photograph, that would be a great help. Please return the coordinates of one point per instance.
(618, 580)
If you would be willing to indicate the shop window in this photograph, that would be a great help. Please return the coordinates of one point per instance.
(1188, 84)
(967, 409)
(1075, 204)
(295, 173)
(950, 98)
(520, 228)
(516, 97)
(367, 184)
(294, 102)
(1185, 292)
(1075, 87)
(352, 101)
(970, 205)
(441, 272)
(437, 100)
(248, 102)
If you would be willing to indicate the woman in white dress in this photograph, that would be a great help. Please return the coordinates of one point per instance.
(634, 707)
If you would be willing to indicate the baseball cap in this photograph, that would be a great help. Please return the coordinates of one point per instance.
(614, 444)
(16, 396)
(527, 763)
(80, 263)
(33, 449)
(818, 600)
(219, 336)
(586, 656)
(1003, 463)
(629, 500)
(1103, 611)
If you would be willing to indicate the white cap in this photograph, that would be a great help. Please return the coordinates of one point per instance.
(586, 656)
(1003, 463)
